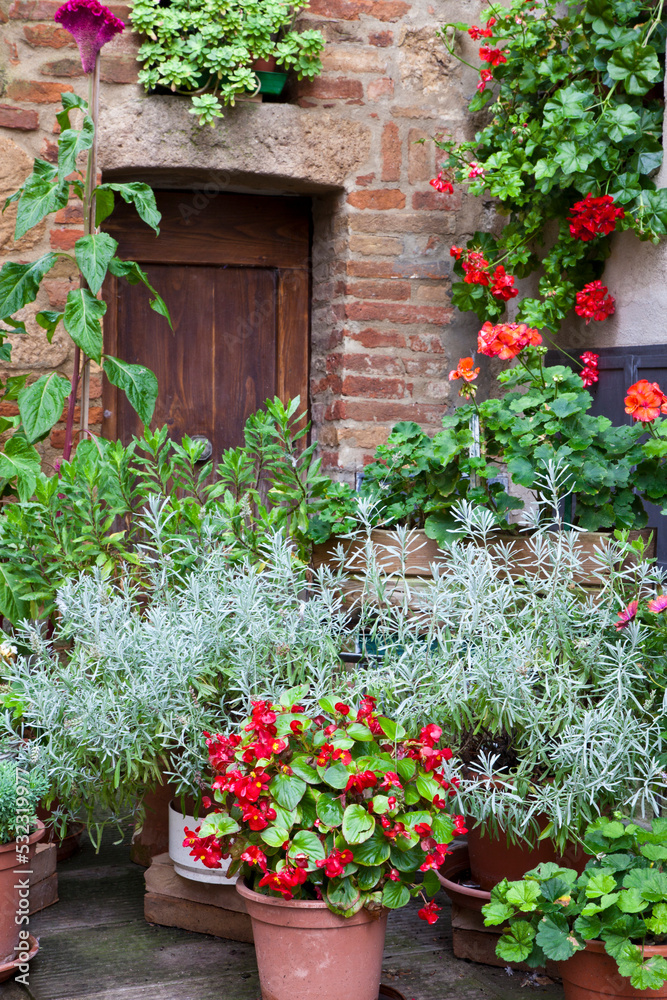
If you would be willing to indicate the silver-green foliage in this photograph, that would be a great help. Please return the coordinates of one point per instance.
(132, 678)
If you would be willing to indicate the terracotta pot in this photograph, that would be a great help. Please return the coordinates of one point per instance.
(11, 900)
(306, 952)
(455, 863)
(265, 65)
(184, 864)
(492, 860)
(153, 838)
(71, 842)
(592, 974)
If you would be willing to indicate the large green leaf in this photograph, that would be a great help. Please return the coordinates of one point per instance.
(358, 824)
(83, 313)
(142, 197)
(517, 943)
(41, 404)
(636, 65)
(71, 142)
(20, 461)
(287, 789)
(12, 606)
(69, 101)
(19, 283)
(395, 895)
(139, 385)
(336, 775)
(373, 851)
(133, 274)
(523, 895)
(48, 319)
(330, 809)
(555, 939)
(93, 254)
(308, 843)
(343, 896)
(39, 197)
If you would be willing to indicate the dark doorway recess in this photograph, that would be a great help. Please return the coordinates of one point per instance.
(235, 277)
(621, 367)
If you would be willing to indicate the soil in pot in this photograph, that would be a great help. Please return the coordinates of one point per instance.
(10, 901)
(306, 952)
(592, 974)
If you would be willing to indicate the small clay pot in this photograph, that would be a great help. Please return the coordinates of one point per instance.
(592, 974)
(265, 65)
(10, 899)
(306, 952)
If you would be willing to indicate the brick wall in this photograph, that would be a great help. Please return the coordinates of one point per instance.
(384, 334)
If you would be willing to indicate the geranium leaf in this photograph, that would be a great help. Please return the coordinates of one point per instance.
(555, 939)
(523, 895)
(516, 944)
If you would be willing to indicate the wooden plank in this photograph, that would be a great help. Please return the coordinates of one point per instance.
(232, 229)
(162, 880)
(203, 918)
(293, 340)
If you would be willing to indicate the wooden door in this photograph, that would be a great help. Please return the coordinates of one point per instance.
(235, 279)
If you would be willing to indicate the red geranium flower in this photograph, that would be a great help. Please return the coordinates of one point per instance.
(592, 304)
(474, 266)
(456, 252)
(627, 615)
(492, 56)
(503, 284)
(477, 33)
(589, 373)
(506, 340)
(429, 912)
(441, 185)
(645, 401)
(464, 370)
(594, 217)
(485, 75)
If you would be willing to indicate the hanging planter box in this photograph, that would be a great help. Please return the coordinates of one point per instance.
(271, 83)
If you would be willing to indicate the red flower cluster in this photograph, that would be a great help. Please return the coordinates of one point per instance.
(589, 373)
(645, 401)
(285, 881)
(464, 370)
(366, 714)
(477, 33)
(594, 217)
(592, 303)
(262, 723)
(204, 849)
(492, 56)
(329, 754)
(358, 782)
(336, 863)
(221, 750)
(436, 859)
(441, 185)
(503, 284)
(254, 856)
(485, 75)
(506, 340)
(429, 912)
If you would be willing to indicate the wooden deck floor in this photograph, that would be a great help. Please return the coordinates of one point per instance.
(96, 945)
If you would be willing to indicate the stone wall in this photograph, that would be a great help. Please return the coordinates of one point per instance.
(384, 334)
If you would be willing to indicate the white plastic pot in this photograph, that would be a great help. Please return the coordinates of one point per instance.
(185, 865)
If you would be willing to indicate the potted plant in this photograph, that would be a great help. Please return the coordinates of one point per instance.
(329, 819)
(218, 58)
(607, 927)
(20, 830)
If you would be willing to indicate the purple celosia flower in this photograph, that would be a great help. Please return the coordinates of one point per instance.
(658, 604)
(92, 26)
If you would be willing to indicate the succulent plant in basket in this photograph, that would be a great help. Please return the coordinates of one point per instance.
(608, 922)
(341, 815)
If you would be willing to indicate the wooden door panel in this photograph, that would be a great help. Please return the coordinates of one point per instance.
(235, 278)
(218, 365)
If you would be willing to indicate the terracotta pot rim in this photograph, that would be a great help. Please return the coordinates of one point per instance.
(317, 905)
(597, 947)
(464, 890)
(36, 835)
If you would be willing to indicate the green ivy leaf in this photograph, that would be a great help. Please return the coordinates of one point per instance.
(138, 383)
(93, 255)
(41, 405)
(19, 283)
(83, 313)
